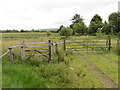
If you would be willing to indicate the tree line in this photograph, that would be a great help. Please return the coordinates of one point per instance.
(22, 30)
(96, 26)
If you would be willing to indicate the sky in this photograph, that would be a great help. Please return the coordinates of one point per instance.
(40, 14)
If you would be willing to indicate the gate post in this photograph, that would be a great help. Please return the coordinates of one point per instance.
(64, 44)
(23, 50)
(10, 54)
(56, 50)
(109, 44)
(50, 50)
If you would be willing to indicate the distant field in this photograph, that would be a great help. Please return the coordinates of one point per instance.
(73, 72)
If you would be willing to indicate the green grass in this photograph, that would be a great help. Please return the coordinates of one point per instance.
(109, 68)
(72, 72)
(49, 75)
(112, 56)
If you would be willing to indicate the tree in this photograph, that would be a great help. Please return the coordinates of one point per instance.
(77, 18)
(79, 28)
(78, 25)
(48, 33)
(66, 31)
(95, 23)
(106, 28)
(114, 21)
(22, 30)
(60, 29)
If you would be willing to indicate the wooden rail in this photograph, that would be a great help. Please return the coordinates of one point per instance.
(86, 43)
(4, 54)
(45, 50)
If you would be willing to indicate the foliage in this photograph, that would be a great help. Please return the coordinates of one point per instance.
(66, 31)
(99, 33)
(79, 28)
(114, 21)
(60, 29)
(95, 23)
(61, 56)
(48, 33)
(77, 19)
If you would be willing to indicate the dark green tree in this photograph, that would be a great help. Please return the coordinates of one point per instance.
(77, 18)
(114, 21)
(66, 31)
(60, 29)
(95, 23)
(78, 25)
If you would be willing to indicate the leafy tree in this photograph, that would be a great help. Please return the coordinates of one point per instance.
(60, 29)
(77, 18)
(95, 23)
(99, 33)
(114, 21)
(48, 33)
(22, 30)
(78, 25)
(106, 28)
(80, 28)
(66, 31)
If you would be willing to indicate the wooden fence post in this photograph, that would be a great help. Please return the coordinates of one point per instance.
(56, 45)
(64, 44)
(109, 44)
(23, 50)
(10, 54)
(50, 50)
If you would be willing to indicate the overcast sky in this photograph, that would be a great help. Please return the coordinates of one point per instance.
(34, 14)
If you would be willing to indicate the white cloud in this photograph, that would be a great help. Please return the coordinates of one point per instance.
(28, 14)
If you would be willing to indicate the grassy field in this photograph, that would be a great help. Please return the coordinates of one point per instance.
(70, 73)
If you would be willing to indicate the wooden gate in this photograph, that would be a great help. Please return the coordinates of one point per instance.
(88, 45)
(36, 50)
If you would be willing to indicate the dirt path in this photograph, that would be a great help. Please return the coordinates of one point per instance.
(108, 59)
(100, 75)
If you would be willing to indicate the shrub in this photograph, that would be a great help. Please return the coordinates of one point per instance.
(66, 31)
(61, 56)
(77, 34)
(48, 33)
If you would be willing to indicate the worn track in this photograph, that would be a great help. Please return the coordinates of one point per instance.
(105, 80)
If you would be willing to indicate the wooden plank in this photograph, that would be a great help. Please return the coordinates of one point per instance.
(88, 42)
(4, 54)
(89, 39)
(36, 54)
(35, 50)
(15, 46)
(35, 46)
(79, 50)
(74, 48)
(60, 43)
(36, 43)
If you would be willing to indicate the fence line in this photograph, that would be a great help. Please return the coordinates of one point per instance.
(5, 54)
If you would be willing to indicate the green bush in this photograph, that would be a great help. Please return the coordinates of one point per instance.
(66, 31)
(48, 33)
(61, 55)
(77, 34)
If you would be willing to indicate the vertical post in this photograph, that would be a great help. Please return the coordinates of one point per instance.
(109, 44)
(64, 44)
(56, 45)
(10, 54)
(50, 49)
(23, 50)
